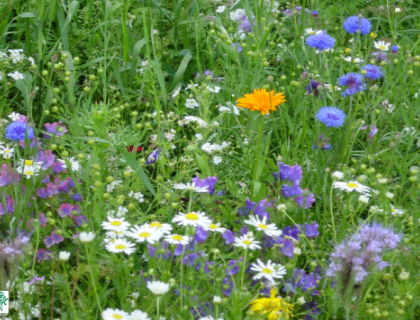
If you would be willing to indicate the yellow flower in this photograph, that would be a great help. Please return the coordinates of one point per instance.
(373, 35)
(274, 308)
(348, 50)
(261, 100)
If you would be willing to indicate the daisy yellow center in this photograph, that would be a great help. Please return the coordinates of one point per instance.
(262, 226)
(392, 210)
(213, 226)
(116, 223)
(382, 47)
(191, 216)
(311, 32)
(177, 237)
(28, 173)
(156, 224)
(144, 234)
(352, 185)
(28, 162)
(7, 151)
(267, 271)
(191, 188)
(117, 232)
(247, 242)
(117, 316)
(120, 247)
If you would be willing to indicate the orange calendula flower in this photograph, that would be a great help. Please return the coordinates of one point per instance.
(274, 308)
(261, 100)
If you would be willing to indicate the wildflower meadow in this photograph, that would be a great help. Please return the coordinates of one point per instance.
(209, 159)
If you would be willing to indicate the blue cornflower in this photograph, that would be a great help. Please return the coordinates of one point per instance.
(354, 83)
(151, 158)
(320, 41)
(331, 116)
(17, 131)
(315, 13)
(373, 72)
(354, 23)
(394, 49)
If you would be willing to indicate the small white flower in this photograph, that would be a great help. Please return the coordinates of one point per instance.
(16, 75)
(16, 55)
(220, 9)
(14, 116)
(177, 239)
(404, 275)
(216, 89)
(217, 300)
(269, 229)
(64, 255)
(382, 180)
(120, 245)
(6, 152)
(247, 242)
(145, 234)
(191, 104)
(338, 175)
(397, 10)
(269, 271)
(351, 186)
(310, 31)
(217, 160)
(355, 60)
(138, 315)
(86, 237)
(199, 136)
(297, 251)
(190, 187)
(381, 45)
(74, 165)
(215, 227)
(31, 60)
(114, 224)
(112, 314)
(158, 287)
(363, 199)
(201, 122)
(194, 219)
(389, 195)
(301, 301)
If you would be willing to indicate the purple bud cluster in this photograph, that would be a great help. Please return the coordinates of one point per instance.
(352, 259)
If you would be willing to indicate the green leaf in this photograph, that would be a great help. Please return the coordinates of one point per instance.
(202, 164)
(180, 73)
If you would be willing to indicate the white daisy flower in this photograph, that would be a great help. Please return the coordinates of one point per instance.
(215, 227)
(310, 31)
(28, 168)
(14, 116)
(381, 45)
(177, 239)
(269, 271)
(145, 234)
(16, 75)
(190, 187)
(163, 228)
(355, 60)
(74, 165)
(6, 152)
(116, 234)
(194, 219)
(113, 314)
(120, 245)
(247, 242)
(138, 315)
(351, 186)
(269, 229)
(115, 224)
(191, 104)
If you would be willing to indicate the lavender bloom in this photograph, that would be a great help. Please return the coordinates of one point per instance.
(306, 199)
(354, 83)
(151, 158)
(352, 260)
(320, 41)
(54, 129)
(286, 172)
(354, 24)
(209, 182)
(245, 26)
(18, 131)
(373, 72)
(331, 117)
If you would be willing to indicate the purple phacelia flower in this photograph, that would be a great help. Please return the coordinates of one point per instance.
(209, 182)
(54, 129)
(286, 172)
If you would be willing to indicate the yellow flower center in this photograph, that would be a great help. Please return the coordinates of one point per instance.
(28, 173)
(213, 226)
(28, 162)
(246, 242)
(262, 226)
(7, 151)
(116, 223)
(144, 234)
(156, 224)
(191, 216)
(382, 47)
(267, 271)
(120, 247)
(117, 316)
(177, 237)
(352, 185)
(117, 232)
(392, 210)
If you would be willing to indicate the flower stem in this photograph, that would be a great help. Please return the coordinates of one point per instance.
(93, 280)
(157, 308)
(244, 267)
(332, 214)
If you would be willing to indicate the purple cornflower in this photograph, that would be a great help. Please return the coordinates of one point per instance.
(320, 41)
(373, 72)
(354, 83)
(151, 158)
(286, 172)
(313, 88)
(209, 182)
(354, 24)
(18, 131)
(331, 117)
(394, 49)
(54, 129)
